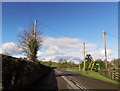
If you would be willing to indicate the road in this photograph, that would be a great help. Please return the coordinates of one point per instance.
(61, 80)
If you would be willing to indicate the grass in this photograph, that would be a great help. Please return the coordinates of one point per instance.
(0, 86)
(50, 64)
(94, 75)
(54, 64)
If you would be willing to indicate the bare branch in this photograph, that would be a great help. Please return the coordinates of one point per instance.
(29, 44)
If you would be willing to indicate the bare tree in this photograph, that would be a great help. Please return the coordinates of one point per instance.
(29, 43)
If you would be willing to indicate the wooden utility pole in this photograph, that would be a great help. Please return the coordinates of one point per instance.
(35, 28)
(79, 66)
(105, 51)
(84, 54)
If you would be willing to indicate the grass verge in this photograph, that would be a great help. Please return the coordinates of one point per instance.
(94, 75)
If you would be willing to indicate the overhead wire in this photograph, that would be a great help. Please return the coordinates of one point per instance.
(48, 27)
(113, 36)
(44, 25)
(30, 10)
(51, 29)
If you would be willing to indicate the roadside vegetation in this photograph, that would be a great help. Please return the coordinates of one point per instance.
(30, 41)
(94, 75)
(49, 64)
(18, 73)
(93, 69)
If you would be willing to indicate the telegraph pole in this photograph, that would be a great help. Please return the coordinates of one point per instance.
(105, 51)
(35, 28)
(84, 55)
(79, 66)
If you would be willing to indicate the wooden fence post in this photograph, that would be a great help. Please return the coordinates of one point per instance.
(114, 76)
(118, 76)
(111, 74)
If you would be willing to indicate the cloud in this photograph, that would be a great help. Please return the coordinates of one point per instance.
(68, 58)
(70, 48)
(100, 54)
(61, 42)
(66, 43)
(10, 48)
(54, 49)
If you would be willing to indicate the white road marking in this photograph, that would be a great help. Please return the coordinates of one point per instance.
(70, 83)
(79, 85)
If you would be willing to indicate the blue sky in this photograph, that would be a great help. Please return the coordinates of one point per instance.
(85, 21)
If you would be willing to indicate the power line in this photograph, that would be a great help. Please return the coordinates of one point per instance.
(51, 29)
(113, 36)
(46, 26)
(30, 9)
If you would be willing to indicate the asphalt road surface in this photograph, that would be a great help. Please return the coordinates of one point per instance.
(65, 81)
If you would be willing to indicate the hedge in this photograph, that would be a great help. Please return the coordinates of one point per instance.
(19, 73)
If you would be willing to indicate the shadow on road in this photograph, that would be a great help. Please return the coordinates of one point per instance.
(47, 83)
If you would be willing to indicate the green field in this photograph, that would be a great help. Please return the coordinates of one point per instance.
(54, 64)
(50, 64)
(94, 75)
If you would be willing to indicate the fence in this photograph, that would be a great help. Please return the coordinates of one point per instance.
(113, 74)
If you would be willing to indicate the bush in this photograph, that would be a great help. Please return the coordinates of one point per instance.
(95, 68)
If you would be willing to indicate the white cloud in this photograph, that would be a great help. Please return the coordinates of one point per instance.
(100, 54)
(53, 50)
(10, 48)
(66, 43)
(62, 42)
(56, 48)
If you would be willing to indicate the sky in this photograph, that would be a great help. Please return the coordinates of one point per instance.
(65, 27)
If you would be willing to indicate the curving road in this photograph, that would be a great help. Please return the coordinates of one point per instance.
(74, 81)
(65, 81)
